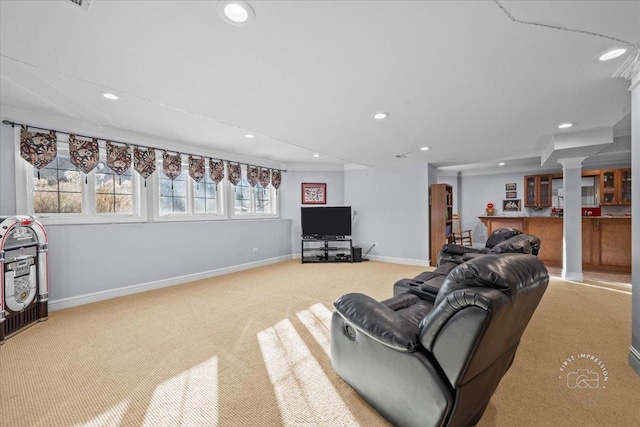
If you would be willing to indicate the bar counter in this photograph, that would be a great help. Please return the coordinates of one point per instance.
(606, 240)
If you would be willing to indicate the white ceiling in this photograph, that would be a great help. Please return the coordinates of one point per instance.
(306, 76)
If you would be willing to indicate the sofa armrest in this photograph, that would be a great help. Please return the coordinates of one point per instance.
(378, 321)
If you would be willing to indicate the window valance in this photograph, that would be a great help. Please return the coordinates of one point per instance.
(38, 146)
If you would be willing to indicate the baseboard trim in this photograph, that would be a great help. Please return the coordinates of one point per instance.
(405, 261)
(74, 301)
(634, 359)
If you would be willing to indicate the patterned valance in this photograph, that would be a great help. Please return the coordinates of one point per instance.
(216, 170)
(276, 178)
(234, 173)
(84, 155)
(118, 157)
(144, 162)
(265, 177)
(253, 175)
(39, 149)
(171, 165)
(196, 168)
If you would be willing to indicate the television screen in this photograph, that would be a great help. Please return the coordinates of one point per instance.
(326, 221)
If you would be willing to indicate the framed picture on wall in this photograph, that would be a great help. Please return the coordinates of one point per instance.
(512, 195)
(511, 186)
(511, 205)
(314, 193)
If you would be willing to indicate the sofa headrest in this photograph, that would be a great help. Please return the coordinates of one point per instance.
(521, 243)
(508, 273)
(500, 235)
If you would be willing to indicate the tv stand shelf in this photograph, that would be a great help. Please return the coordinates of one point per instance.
(329, 249)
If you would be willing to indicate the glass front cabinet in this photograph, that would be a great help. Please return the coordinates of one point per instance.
(615, 187)
(537, 190)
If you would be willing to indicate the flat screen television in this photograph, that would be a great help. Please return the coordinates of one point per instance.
(326, 221)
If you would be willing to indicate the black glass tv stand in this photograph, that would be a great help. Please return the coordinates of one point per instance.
(326, 249)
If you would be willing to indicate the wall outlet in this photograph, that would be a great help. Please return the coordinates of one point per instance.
(254, 250)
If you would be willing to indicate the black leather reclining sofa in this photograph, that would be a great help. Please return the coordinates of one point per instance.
(503, 240)
(425, 359)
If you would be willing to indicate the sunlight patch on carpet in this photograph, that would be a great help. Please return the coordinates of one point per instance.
(188, 399)
(304, 393)
(111, 417)
(317, 319)
(597, 286)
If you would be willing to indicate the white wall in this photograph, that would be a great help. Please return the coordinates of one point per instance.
(291, 197)
(634, 357)
(393, 212)
(85, 259)
(477, 191)
(7, 171)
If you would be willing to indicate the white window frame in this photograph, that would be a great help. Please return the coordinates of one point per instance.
(88, 215)
(231, 202)
(189, 215)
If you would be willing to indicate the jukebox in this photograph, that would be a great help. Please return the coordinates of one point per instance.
(24, 287)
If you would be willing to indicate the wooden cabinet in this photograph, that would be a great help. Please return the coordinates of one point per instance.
(550, 232)
(440, 218)
(615, 187)
(606, 241)
(537, 190)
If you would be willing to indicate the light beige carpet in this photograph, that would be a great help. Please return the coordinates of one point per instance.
(251, 349)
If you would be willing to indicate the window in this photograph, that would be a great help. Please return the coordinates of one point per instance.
(173, 194)
(263, 199)
(61, 194)
(57, 188)
(184, 199)
(253, 201)
(206, 197)
(243, 196)
(114, 194)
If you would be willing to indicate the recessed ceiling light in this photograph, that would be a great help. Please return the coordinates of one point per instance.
(380, 116)
(249, 135)
(425, 148)
(111, 96)
(316, 155)
(565, 125)
(612, 54)
(236, 12)
(501, 164)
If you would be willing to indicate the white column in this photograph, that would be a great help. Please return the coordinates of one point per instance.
(572, 221)
(634, 350)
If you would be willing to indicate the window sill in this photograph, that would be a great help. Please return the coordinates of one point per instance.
(189, 218)
(61, 219)
(254, 216)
